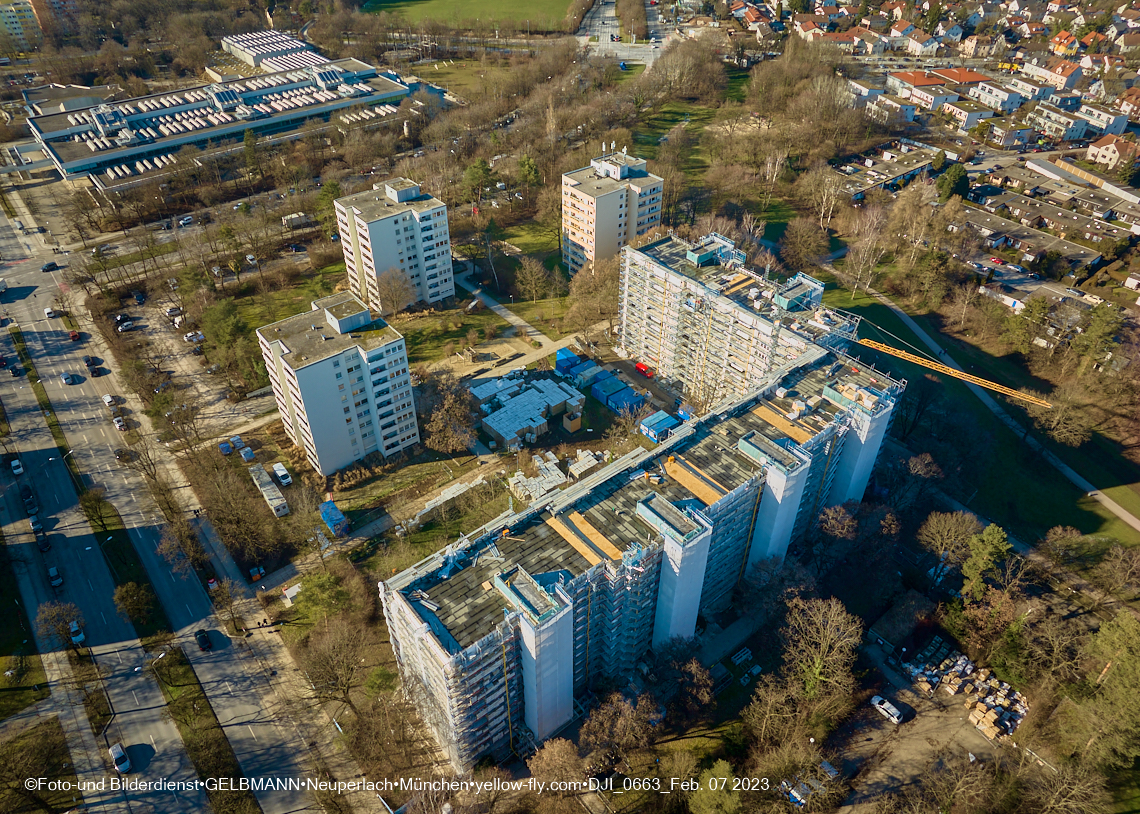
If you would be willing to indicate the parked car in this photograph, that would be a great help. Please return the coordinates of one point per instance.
(194, 336)
(42, 542)
(3, 360)
(121, 318)
(203, 640)
(88, 361)
(282, 474)
(54, 577)
(125, 326)
(77, 636)
(119, 423)
(140, 297)
(108, 399)
(997, 261)
(887, 709)
(186, 221)
(172, 312)
(73, 336)
(17, 467)
(249, 258)
(34, 519)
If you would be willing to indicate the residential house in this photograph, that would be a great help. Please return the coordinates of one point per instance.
(863, 91)
(901, 29)
(933, 97)
(893, 9)
(880, 25)
(1060, 73)
(1064, 44)
(843, 40)
(1093, 40)
(949, 31)
(1128, 42)
(833, 13)
(960, 76)
(808, 30)
(891, 108)
(903, 82)
(1007, 133)
(978, 47)
(1056, 123)
(1133, 282)
(921, 44)
(1104, 120)
(967, 113)
(1064, 99)
(1131, 18)
(1031, 29)
(1000, 97)
(1032, 91)
(1111, 151)
(737, 8)
(868, 42)
(1093, 64)
(1129, 101)
(997, 232)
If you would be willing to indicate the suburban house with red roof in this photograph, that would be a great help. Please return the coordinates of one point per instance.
(1112, 150)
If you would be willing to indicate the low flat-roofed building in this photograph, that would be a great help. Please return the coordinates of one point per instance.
(998, 232)
(960, 76)
(1056, 123)
(933, 97)
(1007, 133)
(997, 96)
(258, 46)
(891, 168)
(121, 142)
(1042, 214)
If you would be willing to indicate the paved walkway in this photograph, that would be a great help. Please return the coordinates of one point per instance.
(944, 358)
(524, 328)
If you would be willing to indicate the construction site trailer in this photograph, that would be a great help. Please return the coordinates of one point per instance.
(564, 360)
(269, 490)
(628, 400)
(602, 390)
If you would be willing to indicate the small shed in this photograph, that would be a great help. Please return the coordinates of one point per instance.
(896, 625)
(602, 390)
(564, 360)
(658, 426)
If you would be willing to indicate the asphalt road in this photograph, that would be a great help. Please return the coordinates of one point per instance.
(232, 680)
(601, 21)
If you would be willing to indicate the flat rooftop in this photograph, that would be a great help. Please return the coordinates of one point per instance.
(454, 590)
(309, 338)
(882, 171)
(374, 204)
(589, 182)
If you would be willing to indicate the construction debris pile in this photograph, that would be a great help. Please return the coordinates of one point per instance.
(550, 477)
(995, 708)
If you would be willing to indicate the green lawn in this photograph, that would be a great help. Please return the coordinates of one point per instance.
(541, 13)
(1019, 491)
(262, 309)
(543, 315)
(17, 650)
(652, 126)
(114, 261)
(630, 71)
(426, 335)
(465, 78)
(531, 237)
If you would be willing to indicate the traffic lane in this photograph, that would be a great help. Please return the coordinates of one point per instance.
(265, 745)
(140, 722)
(183, 598)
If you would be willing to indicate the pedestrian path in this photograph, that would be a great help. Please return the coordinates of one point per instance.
(524, 328)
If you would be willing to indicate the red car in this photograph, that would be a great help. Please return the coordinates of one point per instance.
(997, 261)
(3, 360)
(74, 336)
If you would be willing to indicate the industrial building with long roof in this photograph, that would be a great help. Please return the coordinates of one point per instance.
(125, 141)
(500, 634)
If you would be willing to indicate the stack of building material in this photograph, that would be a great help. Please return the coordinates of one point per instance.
(550, 477)
(584, 463)
(995, 708)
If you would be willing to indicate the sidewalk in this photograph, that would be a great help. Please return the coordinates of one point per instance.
(1070, 474)
(523, 328)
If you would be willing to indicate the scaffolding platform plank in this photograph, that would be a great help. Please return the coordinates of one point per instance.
(793, 431)
(595, 536)
(573, 539)
(707, 490)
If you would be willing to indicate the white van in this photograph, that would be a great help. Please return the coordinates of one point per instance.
(282, 474)
(49, 313)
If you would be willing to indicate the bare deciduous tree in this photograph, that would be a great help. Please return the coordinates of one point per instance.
(395, 291)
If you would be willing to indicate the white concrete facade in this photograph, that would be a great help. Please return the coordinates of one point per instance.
(395, 226)
(340, 378)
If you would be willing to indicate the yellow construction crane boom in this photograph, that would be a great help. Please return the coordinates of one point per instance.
(957, 374)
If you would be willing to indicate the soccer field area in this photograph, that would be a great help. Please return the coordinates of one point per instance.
(543, 14)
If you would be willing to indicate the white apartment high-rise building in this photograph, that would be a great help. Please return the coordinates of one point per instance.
(606, 204)
(18, 19)
(395, 226)
(340, 377)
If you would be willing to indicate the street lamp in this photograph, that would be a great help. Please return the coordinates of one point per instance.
(153, 662)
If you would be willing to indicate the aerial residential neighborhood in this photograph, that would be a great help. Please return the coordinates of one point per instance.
(635, 406)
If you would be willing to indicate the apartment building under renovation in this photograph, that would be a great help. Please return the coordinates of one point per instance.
(712, 327)
(501, 635)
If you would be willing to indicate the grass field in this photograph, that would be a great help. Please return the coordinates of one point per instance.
(426, 335)
(531, 237)
(464, 78)
(261, 309)
(1019, 492)
(543, 315)
(540, 13)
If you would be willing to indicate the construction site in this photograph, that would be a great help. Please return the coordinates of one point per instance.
(501, 637)
(712, 327)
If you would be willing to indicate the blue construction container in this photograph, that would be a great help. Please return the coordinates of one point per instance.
(658, 426)
(686, 411)
(334, 518)
(627, 399)
(564, 360)
(586, 374)
(602, 390)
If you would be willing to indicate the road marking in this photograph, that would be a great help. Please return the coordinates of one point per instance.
(153, 744)
(189, 611)
(89, 585)
(250, 728)
(105, 622)
(229, 688)
(138, 703)
(118, 653)
(171, 573)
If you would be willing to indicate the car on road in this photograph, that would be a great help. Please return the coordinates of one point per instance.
(108, 399)
(51, 265)
(54, 577)
(49, 313)
(186, 221)
(88, 361)
(66, 378)
(120, 759)
(125, 326)
(36, 524)
(887, 709)
(194, 336)
(73, 336)
(203, 640)
(77, 635)
(172, 312)
(119, 423)
(17, 467)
